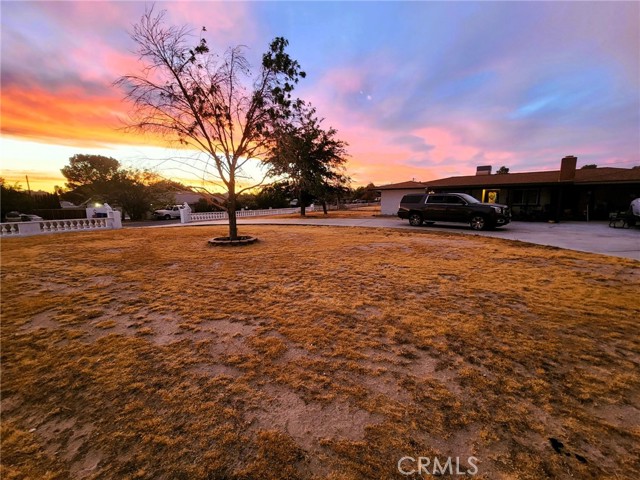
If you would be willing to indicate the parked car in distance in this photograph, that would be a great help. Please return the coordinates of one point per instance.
(168, 212)
(31, 218)
(22, 217)
(453, 207)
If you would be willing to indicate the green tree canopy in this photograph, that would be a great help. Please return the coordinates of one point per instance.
(138, 191)
(94, 177)
(276, 195)
(311, 157)
(84, 169)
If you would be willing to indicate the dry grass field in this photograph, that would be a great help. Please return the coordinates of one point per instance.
(352, 212)
(315, 353)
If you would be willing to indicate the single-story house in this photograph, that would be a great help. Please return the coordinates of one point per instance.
(194, 198)
(568, 193)
(190, 198)
(390, 195)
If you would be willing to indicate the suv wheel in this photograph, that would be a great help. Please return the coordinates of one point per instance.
(478, 222)
(167, 217)
(415, 219)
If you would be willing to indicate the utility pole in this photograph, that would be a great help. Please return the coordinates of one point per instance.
(28, 186)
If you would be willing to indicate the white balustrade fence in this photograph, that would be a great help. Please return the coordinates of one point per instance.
(187, 216)
(23, 229)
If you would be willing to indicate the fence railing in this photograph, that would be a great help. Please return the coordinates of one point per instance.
(23, 229)
(355, 206)
(186, 216)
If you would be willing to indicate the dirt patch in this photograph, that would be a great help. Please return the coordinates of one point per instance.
(64, 438)
(307, 422)
(41, 320)
(621, 416)
(215, 370)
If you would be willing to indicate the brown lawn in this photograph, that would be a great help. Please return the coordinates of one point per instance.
(316, 353)
(352, 212)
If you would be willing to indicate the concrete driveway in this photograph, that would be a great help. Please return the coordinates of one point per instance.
(593, 237)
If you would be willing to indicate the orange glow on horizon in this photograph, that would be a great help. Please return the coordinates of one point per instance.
(67, 116)
(45, 181)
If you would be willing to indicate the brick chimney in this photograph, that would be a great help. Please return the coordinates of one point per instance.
(483, 170)
(568, 168)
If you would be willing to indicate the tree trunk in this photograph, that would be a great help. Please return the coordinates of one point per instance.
(233, 224)
(324, 207)
(301, 195)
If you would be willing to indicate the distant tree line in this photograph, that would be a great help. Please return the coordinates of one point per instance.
(14, 199)
(100, 179)
(284, 194)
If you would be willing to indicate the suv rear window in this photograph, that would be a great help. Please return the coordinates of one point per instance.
(411, 198)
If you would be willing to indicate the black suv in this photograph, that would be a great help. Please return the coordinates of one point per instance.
(453, 207)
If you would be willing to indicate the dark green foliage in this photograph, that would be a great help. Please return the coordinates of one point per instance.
(89, 177)
(138, 192)
(46, 201)
(279, 94)
(310, 157)
(276, 195)
(14, 199)
(103, 179)
(95, 170)
(368, 193)
(203, 205)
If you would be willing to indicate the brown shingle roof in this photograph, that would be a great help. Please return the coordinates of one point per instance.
(588, 175)
(583, 176)
(497, 180)
(410, 185)
(608, 175)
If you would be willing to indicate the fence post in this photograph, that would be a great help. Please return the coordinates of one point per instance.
(116, 219)
(30, 228)
(185, 213)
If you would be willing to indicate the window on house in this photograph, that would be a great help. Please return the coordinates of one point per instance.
(527, 196)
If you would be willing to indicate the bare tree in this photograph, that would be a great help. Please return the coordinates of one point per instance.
(211, 103)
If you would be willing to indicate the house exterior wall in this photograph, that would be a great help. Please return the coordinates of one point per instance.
(527, 202)
(390, 199)
(584, 195)
(597, 201)
(560, 202)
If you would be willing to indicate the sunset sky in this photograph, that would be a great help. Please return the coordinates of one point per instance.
(420, 90)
